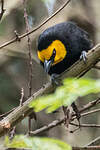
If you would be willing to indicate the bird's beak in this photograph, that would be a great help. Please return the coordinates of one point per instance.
(47, 65)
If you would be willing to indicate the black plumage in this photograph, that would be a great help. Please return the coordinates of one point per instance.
(73, 37)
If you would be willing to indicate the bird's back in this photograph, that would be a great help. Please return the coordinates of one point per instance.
(67, 32)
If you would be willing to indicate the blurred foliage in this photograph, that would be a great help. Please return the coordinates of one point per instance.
(36, 143)
(66, 94)
(49, 5)
(15, 17)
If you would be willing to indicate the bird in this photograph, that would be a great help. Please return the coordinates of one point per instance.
(60, 46)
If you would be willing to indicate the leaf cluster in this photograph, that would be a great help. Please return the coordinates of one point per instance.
(66, 94)
(36, 143)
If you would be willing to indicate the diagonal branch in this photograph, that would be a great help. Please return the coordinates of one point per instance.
(90, 104)
(35, 29)
(77, 70)
(95, 142)
(86, 148)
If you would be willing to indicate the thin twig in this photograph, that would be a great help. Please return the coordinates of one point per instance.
(86, 125)
(85, 114)
(48, 127)
(22, 96)
(29, 49)
(60, 121)
(95, 142)
(38, 27)
(86, 148)
(89, 105)
(30, 63)
(90, 112)
(6, 113)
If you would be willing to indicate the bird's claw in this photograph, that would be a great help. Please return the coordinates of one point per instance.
(83, 56)
(55, 79)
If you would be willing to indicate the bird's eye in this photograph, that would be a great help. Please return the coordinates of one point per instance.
(54, 53)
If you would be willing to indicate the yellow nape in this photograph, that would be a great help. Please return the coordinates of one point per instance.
(61, 52)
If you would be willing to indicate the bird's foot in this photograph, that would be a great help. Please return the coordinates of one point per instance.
(83, 56)
(55, 79)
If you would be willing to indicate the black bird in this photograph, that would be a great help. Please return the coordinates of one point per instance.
(62, 45)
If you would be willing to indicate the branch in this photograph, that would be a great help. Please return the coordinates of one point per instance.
(87, 113)
(60, 121)
(89, 105)
(30, 69)
(86, 125)
(86, 148)
(77, 70)
(35, 29)
(90, 112)
(29, 49)
(94, 142)
(6, 113)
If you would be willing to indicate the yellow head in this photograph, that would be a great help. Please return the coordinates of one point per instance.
(46, 54)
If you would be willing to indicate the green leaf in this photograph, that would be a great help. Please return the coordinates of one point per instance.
(16, 142)
(21, 141)
(66, 94)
